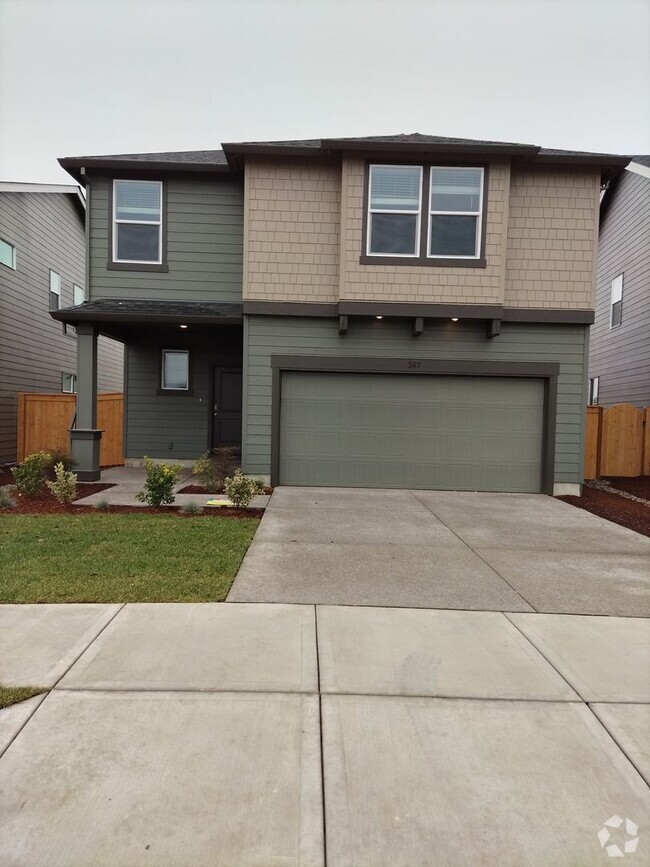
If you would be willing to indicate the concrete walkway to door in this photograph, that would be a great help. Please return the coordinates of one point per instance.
(438, 549)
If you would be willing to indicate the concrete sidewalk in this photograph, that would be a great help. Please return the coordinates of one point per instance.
(438, 549)
(243, 735)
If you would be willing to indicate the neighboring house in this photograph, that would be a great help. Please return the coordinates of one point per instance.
(407, 311)
(42, 268)
(619, 354)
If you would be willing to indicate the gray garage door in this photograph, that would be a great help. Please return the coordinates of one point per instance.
(395, 431)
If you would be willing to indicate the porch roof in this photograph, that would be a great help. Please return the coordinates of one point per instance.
(163, 312)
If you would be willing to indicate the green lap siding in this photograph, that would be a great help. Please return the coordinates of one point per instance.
(565, 345)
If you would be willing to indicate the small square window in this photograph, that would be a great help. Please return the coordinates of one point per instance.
(69, 383)
(616, 314)
(175, 370)
(55, 291)
(7, 254)
(78, 295)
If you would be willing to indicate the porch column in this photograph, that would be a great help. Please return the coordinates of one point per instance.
(84, 438)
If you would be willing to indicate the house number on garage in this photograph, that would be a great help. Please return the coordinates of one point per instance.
(414, 365)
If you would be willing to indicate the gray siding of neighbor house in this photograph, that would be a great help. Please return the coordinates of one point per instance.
(204, 230)
(48, 232)
(265, 336)
(621, 356)
(175, 426)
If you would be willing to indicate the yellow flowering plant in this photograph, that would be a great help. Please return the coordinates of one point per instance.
(159, 485)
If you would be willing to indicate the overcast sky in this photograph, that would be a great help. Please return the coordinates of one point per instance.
(121, 76)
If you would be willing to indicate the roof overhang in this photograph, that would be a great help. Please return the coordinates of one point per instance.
(79, 168)
(45, 189)
(148, 312)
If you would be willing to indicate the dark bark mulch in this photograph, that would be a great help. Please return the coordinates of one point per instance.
(639, 485)
(46, 503)
(627, 513)
(199, 489)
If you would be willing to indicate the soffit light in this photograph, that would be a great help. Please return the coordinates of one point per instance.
(379, 317)
(183, 326)
(454, 318)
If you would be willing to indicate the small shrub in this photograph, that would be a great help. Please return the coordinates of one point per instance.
(191, 508)
(102, 505)
(241, 489)
(29, 475)
(205, 472)
(64, 486)
(6, 500)
(60, 456)
(159, 485)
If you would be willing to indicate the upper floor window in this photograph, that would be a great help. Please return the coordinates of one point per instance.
(594, 388)
(616, 313)
(7, 254)
(78, 295)
(137, 222)
(432, 214)
(55, 291)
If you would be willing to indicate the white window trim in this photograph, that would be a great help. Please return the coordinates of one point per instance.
(12, 247)
(73, 381)
(83, 292)
(479, 214)
(613, 300)
(416, 253)
(56, 291)
(164, 387)
(594, 388)
(116, 222)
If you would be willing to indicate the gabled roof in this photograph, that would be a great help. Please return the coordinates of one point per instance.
(642, 160)
(233, 155)
(60, 189)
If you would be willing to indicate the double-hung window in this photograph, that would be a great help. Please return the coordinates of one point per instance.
(55, 290)
(137, 222)
(395, 203)
(616, 313)
(175, 370)
(425, 213)
(455, 202)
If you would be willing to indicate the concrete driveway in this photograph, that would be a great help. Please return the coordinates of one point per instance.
(492, 552)
(252, 735)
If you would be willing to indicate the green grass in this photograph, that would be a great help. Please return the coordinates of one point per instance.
(120, 558)
(13, 694)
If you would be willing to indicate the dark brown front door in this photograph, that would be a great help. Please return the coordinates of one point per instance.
(226, 407)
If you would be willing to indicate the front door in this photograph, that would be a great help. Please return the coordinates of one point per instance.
(226, 407)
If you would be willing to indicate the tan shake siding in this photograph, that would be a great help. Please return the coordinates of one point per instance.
(293, 219)
(422, 284)
(552, 237)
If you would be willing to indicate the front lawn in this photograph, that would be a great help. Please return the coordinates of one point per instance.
(13, 694)
(120, 558)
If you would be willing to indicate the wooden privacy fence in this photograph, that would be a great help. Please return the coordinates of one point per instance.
(44, 424)
(617, 441)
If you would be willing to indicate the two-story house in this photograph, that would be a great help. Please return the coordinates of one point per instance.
(619, 352)
(404, 311)
(42, 268)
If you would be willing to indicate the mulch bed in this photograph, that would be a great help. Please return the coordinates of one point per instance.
(198, 489)
(639, 486)
(627, 513)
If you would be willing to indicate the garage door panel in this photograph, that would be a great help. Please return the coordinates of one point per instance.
(376, 430)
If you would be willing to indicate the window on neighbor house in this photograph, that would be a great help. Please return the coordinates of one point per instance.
(616, 316)
(594, 385)
(175, 370)
(78, 295)
(7, 254)
(137, 222)
(55, 291)
(447, 199)
(69, 383)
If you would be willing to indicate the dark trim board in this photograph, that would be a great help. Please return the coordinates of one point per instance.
(548, 372)
(426, 311)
